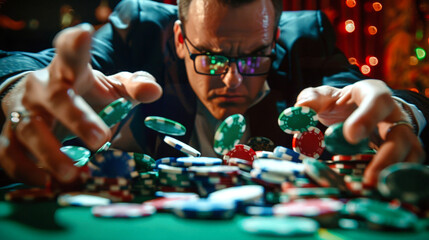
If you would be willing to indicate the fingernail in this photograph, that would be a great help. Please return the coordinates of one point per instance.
(87, 27)
(67, 172)
(96, 137)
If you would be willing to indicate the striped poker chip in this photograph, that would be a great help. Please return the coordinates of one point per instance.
(166, 203)
(183, 147)
(171, 169)
(337, 144)
(279, 167)
(309, 143)
(358, 157)
(203, 209)
(238, 194)
(143, 162)
(123, 210)
(323, 175)
(221, 170)
(285, 153)
(115, 111)
(30, 195)
(117, 196)
(82, 199)
(95, 187)
(270, 177)
(165, 125)
(79, 155)
(261, 144)
(308, 207)
(297, 119)
(312, 192)
(266, 154)
(113, 163)
(197, 161)
(241, 151)
(103, 181)
(171, 161)
(229, 133)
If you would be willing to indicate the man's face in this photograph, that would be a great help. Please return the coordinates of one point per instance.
(233, 32)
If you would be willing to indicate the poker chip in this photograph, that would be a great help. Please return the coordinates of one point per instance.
(183, 147)
(197, 161)
(407, 182)
(166, 202)
(221, 170)
(297, 119)
(270, 177)
(165, 125)
(143, 162)
(321, 192)
(30, 195)
(261, 144)
(229, 133)
(241, 151)
(323, 175)
(309, 143)
(258, 211)
(203, 209)
(82, 200)
(285, 153)
(171, 169)
(337, 144)
(308, 207)
(113, 163)
(266, 154)
(123, 210)
(381, 213)
(238, 194)
(115, 111)
(276, 226)
(279, 167)
(357, 157)
(79, 155)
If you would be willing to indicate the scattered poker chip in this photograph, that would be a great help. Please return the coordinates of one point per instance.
(30, 195)
(323, 175)
(309, 143)
(407, 182)
(113, 163)
(115, 111)
(143, 162)
(337, 144)
(204, 209)
(308, 207)
(381, 213)
(123, 210)
(297, 119)
(171, 169)
(261, 144)
(279, 167)
(229, 133)
(166, 203)
(165, 125)
(285, 153)
(238, 194)
(357, 157)
(197, 161)
(270, 177)
(183, 147)
(79, 155)
(82, 199)
(221, 170)
(280, 226)
(266, 154)
(258, 211)
(241, 151)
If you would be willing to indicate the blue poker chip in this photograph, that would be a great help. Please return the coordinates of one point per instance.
(285, 153)
(279, 167)
(113, 163)
(204, 209)
(258, 211)
(181, 146)
(166, 160)
(170, 169)
(239, 194)
(198, 161)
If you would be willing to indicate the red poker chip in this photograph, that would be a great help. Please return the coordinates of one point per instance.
(30, 195)
(308, 207)
(241, 151)
(310, 143)
(358, 157)
(177, 189)
(123, 210)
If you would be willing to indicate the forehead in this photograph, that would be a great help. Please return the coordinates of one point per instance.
(214, 25)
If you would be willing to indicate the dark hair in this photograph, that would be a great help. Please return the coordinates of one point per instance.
(184, 7)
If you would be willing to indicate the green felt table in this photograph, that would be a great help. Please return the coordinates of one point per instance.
(47, 220)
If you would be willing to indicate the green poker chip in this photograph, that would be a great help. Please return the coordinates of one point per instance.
(144, 162)
(337, 144)
(79, 155)
(297, 119)
(115, 112)
(165, 125)
(229, 133)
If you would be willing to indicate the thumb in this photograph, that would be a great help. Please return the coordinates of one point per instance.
(139, 86)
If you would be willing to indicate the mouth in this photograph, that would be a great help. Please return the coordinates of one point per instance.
(229, 98)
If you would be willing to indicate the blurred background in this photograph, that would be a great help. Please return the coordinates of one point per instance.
(386, 39)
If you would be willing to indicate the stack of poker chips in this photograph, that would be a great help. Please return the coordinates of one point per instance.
(241, 156)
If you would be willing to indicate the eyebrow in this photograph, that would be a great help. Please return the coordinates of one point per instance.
(259, 49)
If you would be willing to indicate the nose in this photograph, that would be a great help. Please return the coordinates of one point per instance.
(232, 78)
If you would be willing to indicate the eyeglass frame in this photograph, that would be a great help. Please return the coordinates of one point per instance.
(193, 56)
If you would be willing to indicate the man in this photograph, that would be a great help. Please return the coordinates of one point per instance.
(163, 64)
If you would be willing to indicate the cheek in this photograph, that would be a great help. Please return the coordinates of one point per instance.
(198, 82)
(254, 85)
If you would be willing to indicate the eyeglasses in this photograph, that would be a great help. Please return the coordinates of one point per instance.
(216, 65)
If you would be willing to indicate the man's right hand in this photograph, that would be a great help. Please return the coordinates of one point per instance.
(70, 92)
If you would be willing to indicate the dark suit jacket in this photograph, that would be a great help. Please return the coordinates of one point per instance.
(140, 37)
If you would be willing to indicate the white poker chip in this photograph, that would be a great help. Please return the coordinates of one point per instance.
(181, 146)
(82, 200)
(124, 210)
(238, 194)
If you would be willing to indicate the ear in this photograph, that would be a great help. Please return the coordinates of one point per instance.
(179, 41)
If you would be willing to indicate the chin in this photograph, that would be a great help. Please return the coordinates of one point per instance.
(222, 112)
